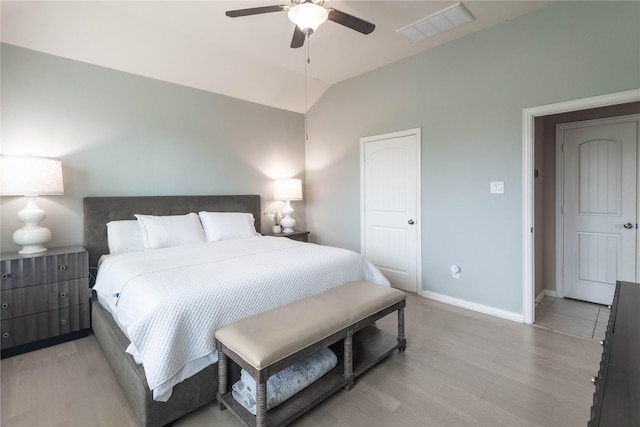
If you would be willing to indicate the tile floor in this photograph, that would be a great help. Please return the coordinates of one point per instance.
(582, 319)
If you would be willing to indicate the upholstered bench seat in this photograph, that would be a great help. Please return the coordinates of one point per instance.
(269, 337)
(269, 342)
(359, 300)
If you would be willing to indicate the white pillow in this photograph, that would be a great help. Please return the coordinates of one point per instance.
(171, 230)
(124, 236)
(227, 225)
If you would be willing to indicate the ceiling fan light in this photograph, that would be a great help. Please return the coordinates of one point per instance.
(308, 16)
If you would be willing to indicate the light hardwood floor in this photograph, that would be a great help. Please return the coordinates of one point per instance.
(461, 368)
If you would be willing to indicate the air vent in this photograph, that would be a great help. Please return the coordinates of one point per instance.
(439, 22)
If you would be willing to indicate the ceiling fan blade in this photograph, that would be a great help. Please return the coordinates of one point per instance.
(350, 21)
(298, 38)
(254, 11)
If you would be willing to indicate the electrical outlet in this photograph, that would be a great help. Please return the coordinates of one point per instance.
(455, 271)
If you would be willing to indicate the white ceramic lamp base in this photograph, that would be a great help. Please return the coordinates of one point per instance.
(32, 236)
(287, 221)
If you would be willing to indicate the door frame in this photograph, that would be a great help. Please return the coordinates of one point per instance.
(528, 140)
(560, 190)
(417, 132)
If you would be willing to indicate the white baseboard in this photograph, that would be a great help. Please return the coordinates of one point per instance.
(486, 309)
(540, 296)
(550, 293)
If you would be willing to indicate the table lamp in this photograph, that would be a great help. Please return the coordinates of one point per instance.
(287, 190)
(31, 176)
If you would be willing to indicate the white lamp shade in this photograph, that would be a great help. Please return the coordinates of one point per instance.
(287, 189)
(30, 176)
(308, 16)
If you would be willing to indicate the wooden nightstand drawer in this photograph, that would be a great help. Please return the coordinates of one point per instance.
(55, 266)
(40, 326)
(44, 298)
(36, 299)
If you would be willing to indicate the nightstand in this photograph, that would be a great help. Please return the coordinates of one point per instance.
(44, 298)
(300, 235)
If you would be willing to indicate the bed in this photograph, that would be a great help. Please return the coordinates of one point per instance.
(197, 389)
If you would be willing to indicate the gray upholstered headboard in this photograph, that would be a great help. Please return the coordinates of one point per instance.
(98, 211)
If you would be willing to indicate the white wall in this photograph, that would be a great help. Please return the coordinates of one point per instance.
(119, 134)
(467, 97)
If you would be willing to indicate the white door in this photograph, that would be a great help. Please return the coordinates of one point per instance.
(390, 189)
(599, 205)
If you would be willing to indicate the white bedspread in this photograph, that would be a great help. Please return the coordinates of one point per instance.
(169, 302)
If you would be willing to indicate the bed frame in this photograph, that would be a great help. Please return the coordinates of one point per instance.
(193, 392)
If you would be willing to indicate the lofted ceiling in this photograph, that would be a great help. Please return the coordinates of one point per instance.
(194, 44)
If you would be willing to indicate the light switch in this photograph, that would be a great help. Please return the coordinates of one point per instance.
(497, 187)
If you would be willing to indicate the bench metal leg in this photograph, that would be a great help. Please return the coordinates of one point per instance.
(348, 360)
(261, 404)
(401, 339)
(222, 378)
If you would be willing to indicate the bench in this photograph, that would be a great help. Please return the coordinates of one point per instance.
(269, 342)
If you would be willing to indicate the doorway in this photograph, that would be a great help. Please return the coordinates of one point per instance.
(390, 206)
(597, 207)
(534, 233)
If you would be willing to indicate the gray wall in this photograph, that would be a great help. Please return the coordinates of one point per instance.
(467, 97)
(121, 134)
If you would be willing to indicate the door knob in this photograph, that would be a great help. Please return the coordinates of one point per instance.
(628, 226)
(411, 222)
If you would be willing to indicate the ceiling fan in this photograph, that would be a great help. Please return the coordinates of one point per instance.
(308, 15)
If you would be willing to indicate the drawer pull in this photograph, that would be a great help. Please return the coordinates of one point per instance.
(63, 294)
(5, 305)
(5, 335)
(63, 322)
(62, 267)
(5, 275)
